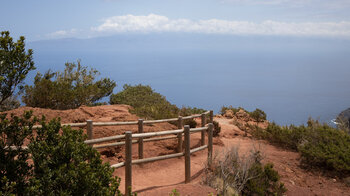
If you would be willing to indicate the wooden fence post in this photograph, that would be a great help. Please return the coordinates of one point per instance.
(203, 132)
(211, 116)
(187, 154)
(128, 159)
(89, 129)
(179, 135)
(210, 144)
(140, 123)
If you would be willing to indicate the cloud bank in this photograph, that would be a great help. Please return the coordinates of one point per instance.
(153, 23)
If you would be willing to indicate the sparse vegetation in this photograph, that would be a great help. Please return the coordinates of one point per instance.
(234, 110)
(73, 87)
(61, 163)
(258, 115)
(320, 145)
(232, 174)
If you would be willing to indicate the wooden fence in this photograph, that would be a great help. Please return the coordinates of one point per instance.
(130, 138)
(141, 137)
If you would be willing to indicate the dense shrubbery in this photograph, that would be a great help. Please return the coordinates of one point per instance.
(70, 89)
(232, 174)
(319, 145)
(61, 163)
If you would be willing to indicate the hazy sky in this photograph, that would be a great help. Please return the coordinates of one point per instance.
(43, 19)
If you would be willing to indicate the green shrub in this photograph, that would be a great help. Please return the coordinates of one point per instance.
(191, 122)
(62, 164)
(289, 137)
(188, 111)
(145, 102)
(258, 115)
(320, 145)
(327, 148)
(174, 192)
(265, 183)
(232, 174)
(70, 89)
(234, 110)
(13, 163)
(149, 104)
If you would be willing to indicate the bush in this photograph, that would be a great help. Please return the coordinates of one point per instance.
(320, 145)
(288, 137)
(70, 89)
(234, 110)
(266, 182)
(145, 102)
(62, 163)
(327, 148)
(13, 163)
(232, 174)
(191, 122)
(258, 115)
(188, 111)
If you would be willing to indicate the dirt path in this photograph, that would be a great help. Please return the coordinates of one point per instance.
(160, 178)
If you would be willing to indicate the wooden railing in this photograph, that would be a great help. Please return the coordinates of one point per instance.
(142, 137)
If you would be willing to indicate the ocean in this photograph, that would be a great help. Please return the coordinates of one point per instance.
(290, 78)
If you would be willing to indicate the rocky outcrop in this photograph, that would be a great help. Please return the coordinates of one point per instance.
(344, 117)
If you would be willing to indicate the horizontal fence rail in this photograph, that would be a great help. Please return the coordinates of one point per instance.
(183, 146)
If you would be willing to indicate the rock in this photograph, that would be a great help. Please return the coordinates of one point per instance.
(289, 170)
(229, 114)
(242, 115)
(291, 181)
(334, 180)
(344, 117)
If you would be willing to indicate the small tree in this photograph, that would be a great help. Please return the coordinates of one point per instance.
(70, 89)
(15, 63)
(258, 115)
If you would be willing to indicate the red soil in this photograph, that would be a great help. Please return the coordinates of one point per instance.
(161, 177)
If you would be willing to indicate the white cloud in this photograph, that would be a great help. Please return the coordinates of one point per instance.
(153, 23)
(63, 33)
(158, 23)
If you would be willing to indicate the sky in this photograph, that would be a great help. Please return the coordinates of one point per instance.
(54, 19)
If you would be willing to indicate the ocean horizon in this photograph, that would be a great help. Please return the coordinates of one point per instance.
(291, 79)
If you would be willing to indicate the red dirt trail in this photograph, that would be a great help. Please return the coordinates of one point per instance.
(161, 177)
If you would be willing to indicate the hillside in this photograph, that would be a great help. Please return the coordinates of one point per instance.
(160, 178)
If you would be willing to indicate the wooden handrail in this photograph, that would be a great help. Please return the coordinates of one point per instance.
(127, 123)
